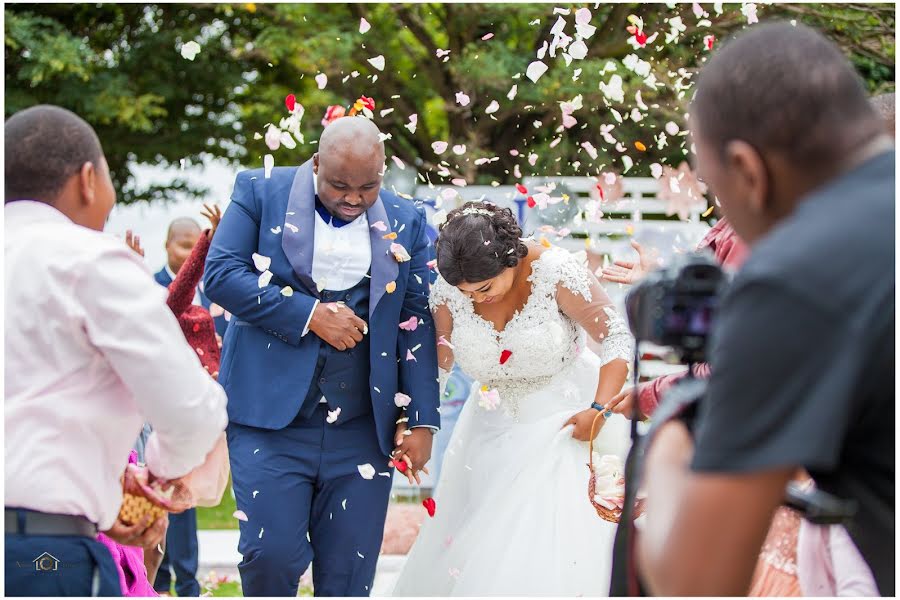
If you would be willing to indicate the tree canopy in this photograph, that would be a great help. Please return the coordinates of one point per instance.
(451, 73)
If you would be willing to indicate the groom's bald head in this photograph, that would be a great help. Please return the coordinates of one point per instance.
(349, 166)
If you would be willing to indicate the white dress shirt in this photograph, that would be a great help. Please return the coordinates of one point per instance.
(92, 352)
(341, 255)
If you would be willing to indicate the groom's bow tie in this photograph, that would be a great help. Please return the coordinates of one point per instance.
(327, 216)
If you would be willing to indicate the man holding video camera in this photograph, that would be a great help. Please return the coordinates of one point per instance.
(803, 345)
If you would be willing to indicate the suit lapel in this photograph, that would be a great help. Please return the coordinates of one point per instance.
(384, 265)
(299, 246)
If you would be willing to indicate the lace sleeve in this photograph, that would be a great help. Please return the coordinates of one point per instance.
(581, 298)
(442, 298)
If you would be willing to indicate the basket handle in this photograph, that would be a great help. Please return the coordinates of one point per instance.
(591, 441)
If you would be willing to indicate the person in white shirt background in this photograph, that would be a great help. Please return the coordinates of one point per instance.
(92, 352)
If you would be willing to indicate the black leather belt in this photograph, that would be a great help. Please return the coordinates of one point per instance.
(22, 521)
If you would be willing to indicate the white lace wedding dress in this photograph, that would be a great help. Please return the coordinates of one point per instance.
(513, 517)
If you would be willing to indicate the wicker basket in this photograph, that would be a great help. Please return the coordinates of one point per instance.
(611, 515)
(134, 508)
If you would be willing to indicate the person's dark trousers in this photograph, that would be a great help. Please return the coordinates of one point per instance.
(306, 499)
(59, 566)
(181, 556)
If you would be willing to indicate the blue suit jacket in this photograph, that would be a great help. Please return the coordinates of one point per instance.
(267, 365)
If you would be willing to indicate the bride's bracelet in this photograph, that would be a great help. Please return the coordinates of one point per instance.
(606, 412)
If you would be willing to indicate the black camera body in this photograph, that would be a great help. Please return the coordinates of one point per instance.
(675, 306)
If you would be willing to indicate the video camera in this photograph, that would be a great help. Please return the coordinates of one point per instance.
(675, 306)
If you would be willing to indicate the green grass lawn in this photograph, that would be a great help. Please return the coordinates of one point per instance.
(219, 517)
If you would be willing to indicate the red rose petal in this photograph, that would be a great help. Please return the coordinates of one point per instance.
(430, 506)
(196, 327)
(600, 191)
(522, 189)
(400, 465)
(290, 102)
(504, 356)
(531, 202)
(640, 37)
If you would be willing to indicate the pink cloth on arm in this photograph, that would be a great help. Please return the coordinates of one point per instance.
(829, 564)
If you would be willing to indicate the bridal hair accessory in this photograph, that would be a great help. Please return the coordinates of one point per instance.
(474, 211)
(609, 499)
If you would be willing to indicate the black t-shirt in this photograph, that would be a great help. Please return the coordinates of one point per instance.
(803, 356)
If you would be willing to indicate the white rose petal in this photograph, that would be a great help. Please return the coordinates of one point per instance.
(322, 80)
(512, 92)
(459, 149)
(402, 400)
(364, 26)
(439, 218)
(671, 128)
(535, 70)
(333, 415)
(583, 16)
(262, 263)
(269, 164)
(493, 107)
(367, 471)
(264, 279)
(439, 147)
(626, 160)
(240, 515)
(377, 62)
(292, 227)
(462, 99)
(656, 170)
(578, 50)
(190, 50)
(287, 140)
(287, 291)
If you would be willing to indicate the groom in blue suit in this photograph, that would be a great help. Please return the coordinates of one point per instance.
(319, 267)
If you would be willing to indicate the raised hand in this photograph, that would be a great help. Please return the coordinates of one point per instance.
(134, 242)
(214, 214)
(629, 273)
(337, 325)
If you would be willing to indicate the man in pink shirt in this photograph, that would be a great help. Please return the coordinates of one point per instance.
(92, 352)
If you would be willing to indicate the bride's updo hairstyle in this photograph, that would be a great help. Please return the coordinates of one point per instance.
(478, 242)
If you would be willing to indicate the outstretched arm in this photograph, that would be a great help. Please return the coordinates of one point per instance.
(583, 300)
(181, 290)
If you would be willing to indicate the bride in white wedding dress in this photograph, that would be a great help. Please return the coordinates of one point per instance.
(513, 516)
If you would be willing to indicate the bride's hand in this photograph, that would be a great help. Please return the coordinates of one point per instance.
(583, 422)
